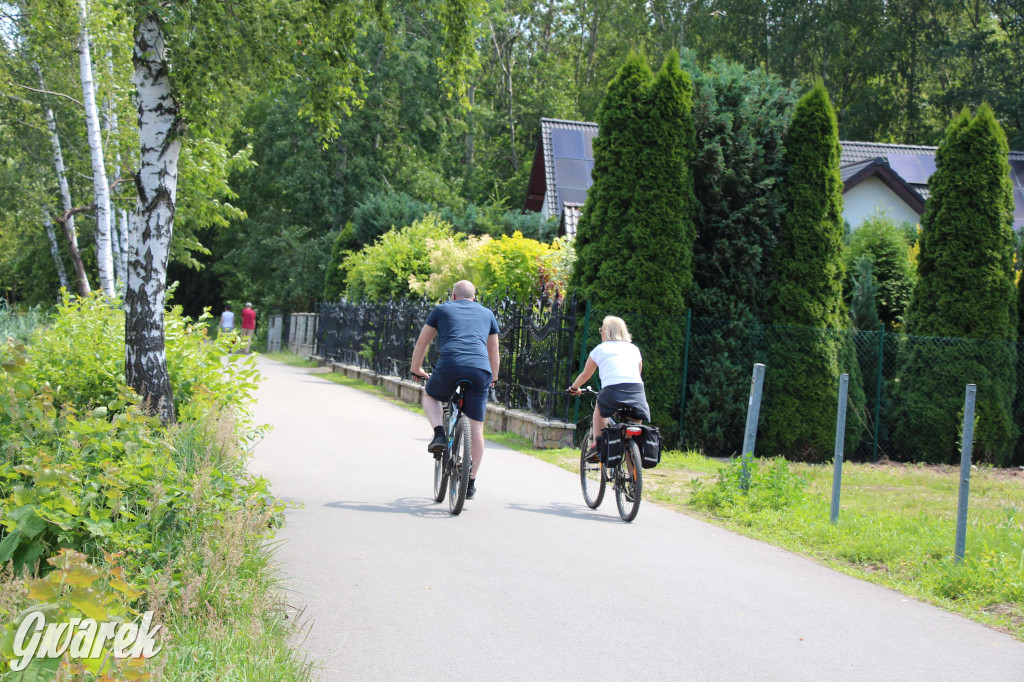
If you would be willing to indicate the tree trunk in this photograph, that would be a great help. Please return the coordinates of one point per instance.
(99, 172)
(55, 252)
(118, 238)
(149, 238)
(68, 224)
(123, 250)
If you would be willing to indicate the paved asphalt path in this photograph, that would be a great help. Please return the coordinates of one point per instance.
(530, 584)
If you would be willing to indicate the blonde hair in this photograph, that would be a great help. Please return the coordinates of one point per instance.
(614, 329)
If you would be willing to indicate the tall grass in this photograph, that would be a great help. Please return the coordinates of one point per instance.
(19, 324)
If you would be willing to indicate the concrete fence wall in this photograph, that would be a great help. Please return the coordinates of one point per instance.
(302, 334)
(275, 325)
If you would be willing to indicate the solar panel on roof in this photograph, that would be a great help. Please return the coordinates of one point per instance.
(1017, 173)
(927, 165)
(567, 144)
(573, 196)
(588, 144)
(908, 167)
(571, 173)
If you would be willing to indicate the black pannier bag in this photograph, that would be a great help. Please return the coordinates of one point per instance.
(609, 444)
(650, 442)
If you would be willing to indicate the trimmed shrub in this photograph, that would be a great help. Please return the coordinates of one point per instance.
(740, 118)
(806, 291)
(965, 290)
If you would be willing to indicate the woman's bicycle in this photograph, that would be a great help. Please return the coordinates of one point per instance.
(452, 467)
(626, 477)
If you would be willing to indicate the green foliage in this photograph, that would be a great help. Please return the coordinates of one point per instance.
(382, 212)
(635, 238)
(508, 266)
(334, 284)
(19, 325)
(73, 591)
(747, 485)
(884, 243)
(81, 357)
(740, 116)
(806, 289)
(965, 289)
(863, 311)
(382, 270)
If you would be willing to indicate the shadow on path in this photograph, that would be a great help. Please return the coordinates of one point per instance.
(413, 506)
(569, 511)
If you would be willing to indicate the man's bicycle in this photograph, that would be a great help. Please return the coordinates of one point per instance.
(452, 467)
(626, 477)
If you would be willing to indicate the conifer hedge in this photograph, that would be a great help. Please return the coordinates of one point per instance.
(805, 294)
(740, 117)
(965, 290)
(635, 239)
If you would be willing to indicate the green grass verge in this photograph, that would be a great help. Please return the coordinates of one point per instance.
(289, 358)
(896, 526)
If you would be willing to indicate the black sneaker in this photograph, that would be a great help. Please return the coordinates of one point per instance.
(471, 490)
(437, 445)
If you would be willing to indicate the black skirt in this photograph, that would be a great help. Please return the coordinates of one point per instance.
(616, 396)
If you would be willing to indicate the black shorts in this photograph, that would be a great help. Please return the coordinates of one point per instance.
(613, 397)
(442, 382)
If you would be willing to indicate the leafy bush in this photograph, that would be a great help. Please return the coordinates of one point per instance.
(749, 485)
(81, 357)
(382, 270)
(509, 265)
(19, 324)
(884, 242)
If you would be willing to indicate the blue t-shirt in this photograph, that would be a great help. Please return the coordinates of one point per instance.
(462, 330)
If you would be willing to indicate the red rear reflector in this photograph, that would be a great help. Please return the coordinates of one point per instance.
(633, 431)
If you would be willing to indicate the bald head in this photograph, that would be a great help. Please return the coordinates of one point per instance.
(463, 289)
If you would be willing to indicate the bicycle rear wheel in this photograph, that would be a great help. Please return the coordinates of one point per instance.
(461, 461)
(630, 482)
(591, 475)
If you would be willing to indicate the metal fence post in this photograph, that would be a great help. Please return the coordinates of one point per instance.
(686, 365)
(837, 462)
(753, 412)
(878, 391)
(583, 360)
(965, 473)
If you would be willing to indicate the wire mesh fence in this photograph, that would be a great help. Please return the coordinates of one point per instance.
(905, 398)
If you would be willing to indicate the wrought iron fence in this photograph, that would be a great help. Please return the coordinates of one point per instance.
(536, 343)
(541, 354)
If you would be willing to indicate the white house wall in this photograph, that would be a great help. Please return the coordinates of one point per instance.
(872, 195)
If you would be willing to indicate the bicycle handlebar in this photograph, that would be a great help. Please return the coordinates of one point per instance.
(584, 390)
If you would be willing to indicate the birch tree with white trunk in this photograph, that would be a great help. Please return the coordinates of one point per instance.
(58, 262)
(68, 221)
(220, 52)
(101, 188)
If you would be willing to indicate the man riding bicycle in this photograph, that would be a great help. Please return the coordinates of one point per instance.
(467, 336)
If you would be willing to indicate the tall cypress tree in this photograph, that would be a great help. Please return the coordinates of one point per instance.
(965, 290)
(600, 273)
(805, 293)
(740, 117)
(635, 240)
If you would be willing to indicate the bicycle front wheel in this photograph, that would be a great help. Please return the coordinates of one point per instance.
(461, 462)
(630, 482)
(591, 474)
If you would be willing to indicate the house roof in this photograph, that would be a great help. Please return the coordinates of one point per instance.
(915, 165)
(562, 165)
(564, 161)
(857, 173)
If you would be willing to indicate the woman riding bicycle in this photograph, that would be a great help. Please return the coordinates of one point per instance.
(619, 364)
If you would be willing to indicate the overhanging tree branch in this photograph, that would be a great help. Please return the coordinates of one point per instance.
(46, 92)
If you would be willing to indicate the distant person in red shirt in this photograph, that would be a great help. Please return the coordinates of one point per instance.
(248, 325)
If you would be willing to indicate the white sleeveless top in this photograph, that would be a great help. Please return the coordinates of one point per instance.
(618, 362)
